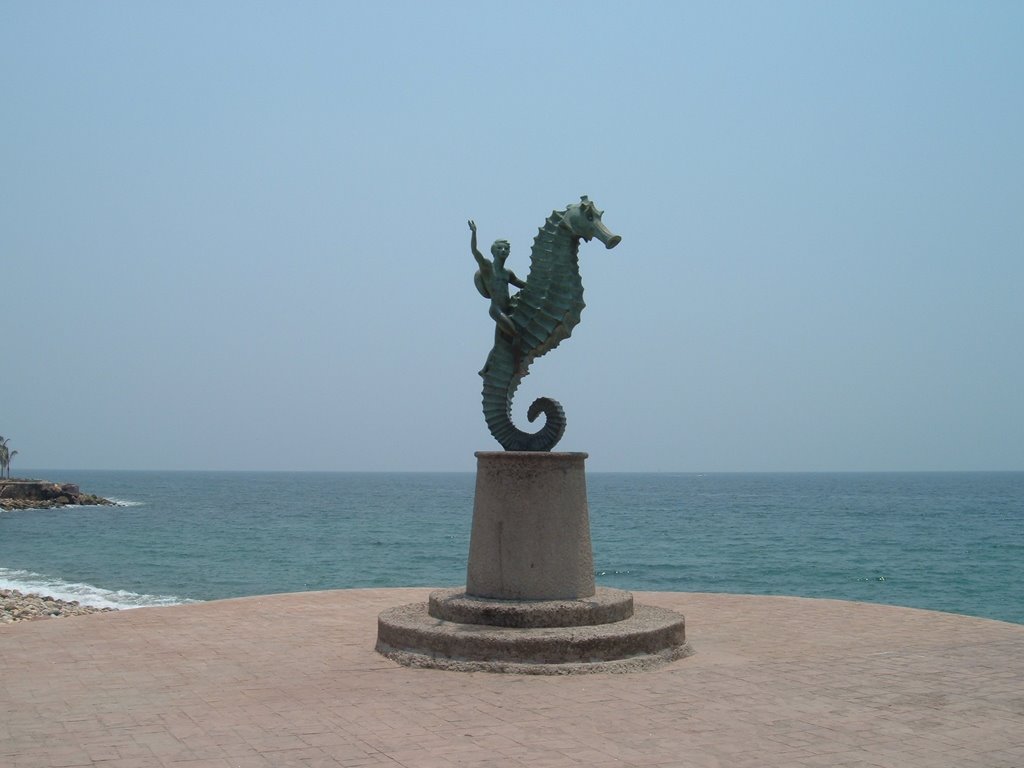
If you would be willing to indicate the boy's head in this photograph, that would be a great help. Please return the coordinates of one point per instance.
(500, 249)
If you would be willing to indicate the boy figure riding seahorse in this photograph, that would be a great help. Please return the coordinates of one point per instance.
(493, 280)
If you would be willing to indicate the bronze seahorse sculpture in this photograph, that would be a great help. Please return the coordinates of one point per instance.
(535, 320)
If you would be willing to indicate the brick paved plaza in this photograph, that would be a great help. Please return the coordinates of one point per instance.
(292, 680)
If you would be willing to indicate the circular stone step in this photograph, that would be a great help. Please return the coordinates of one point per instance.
(605, 607)
(409, 635)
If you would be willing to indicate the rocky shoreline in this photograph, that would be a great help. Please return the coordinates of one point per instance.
(19, 493)
(18, 606)
(42, 494)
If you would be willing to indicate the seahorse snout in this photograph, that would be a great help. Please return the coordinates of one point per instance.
(602, 233)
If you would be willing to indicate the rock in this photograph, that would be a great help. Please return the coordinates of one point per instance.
(42, 494)
(17, 606)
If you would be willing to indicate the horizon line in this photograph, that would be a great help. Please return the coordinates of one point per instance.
(473, 470)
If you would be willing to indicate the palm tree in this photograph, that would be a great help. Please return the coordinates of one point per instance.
(6, 454)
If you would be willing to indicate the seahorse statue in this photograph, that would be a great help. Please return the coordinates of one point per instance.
(535, 320)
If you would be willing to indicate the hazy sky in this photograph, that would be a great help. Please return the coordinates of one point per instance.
(233, 235)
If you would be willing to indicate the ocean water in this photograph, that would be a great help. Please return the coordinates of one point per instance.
(943, 541)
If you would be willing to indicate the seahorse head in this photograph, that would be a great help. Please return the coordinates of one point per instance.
(583, 219)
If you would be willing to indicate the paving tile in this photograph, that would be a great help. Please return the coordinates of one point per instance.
(292, 680)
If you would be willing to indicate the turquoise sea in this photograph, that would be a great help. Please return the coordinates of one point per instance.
(944, 541)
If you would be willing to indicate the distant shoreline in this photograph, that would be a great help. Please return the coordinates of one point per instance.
(23, 493)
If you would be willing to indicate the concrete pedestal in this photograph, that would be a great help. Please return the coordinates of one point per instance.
(531, 528)
(530, 604)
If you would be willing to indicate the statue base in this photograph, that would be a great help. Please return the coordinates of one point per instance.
(531, 527)
(530, 604)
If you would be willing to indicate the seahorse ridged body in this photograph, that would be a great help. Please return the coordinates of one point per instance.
(544, 314)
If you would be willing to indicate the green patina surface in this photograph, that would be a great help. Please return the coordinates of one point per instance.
(535, 320)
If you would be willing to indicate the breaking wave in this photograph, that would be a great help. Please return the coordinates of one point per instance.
(85, 594)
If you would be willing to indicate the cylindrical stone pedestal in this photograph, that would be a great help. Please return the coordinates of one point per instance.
(531, 528)
(530, 605)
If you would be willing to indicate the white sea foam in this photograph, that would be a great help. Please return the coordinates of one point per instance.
(85, 594)
(124, 502)
(117, 503)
